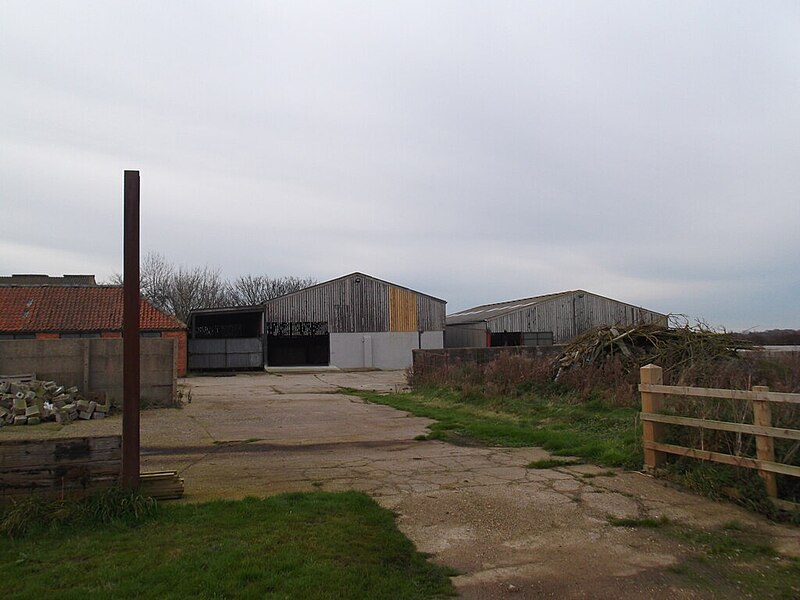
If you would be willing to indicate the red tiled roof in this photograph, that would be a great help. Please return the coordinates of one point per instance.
(32, 309)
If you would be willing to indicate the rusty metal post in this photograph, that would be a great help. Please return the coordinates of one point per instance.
(130, 335)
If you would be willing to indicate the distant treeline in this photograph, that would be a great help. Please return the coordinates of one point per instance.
(772, 337)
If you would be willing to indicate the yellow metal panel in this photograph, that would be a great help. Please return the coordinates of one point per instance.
(402, 310)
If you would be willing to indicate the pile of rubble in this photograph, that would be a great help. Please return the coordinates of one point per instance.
(25, 400)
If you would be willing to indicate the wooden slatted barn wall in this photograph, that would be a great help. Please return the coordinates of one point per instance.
(349, 305)
(402, 310)
(569, 315)
(430, 313)
(605, 311)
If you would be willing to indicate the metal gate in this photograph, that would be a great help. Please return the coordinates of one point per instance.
(226, 353)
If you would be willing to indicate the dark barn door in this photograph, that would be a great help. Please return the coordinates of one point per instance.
(506, 338)
(298, 344)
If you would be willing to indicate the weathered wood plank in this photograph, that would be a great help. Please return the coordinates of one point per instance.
(765, 445)
(678, 390)
(58, 467)
(72, 476)
(15, 453)
(651, 403)
(728, 459)
(161, 485)
(775, 432)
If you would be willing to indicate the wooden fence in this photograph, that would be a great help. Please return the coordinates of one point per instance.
(654, 421)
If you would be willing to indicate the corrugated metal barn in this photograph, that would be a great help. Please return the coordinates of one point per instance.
(355, 321)
(352, 322)
(541, 320)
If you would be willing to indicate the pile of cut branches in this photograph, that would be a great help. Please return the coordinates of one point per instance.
(673, 348)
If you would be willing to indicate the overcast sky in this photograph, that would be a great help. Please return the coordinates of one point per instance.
(475, 151)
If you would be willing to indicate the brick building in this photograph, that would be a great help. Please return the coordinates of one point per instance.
(52, 309)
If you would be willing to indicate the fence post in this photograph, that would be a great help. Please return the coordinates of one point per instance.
(765, 446)
(651, 403)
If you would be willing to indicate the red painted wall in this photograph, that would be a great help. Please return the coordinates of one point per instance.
(180, 357)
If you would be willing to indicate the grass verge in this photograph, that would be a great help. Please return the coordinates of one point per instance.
(729, 562)
(312, 545)
(552, 463)
(594, 431)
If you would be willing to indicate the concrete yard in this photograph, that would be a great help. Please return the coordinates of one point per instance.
(510, 531)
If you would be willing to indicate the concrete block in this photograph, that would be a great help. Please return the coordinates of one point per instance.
(98, 415)
(19, 406)
(84, 415)
(20, 420)
(32, 411)
(34, 420)
(82, 405)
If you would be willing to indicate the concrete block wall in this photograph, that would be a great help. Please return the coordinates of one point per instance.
(180, 336)
(451, 357)
(95, 365)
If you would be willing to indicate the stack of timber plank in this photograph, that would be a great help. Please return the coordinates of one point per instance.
(59, 468)
(161, 485)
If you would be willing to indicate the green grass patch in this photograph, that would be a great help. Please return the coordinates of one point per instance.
(551, 463)
(739, 485)
(734, 561)
(114, 505)
(593, 430)
(311, 545)
(601, 474)
(729, 562)
(648, 522)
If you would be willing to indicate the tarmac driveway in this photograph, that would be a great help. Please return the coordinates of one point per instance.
(508, 529)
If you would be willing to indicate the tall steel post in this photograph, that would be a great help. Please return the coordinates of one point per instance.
(130, 335)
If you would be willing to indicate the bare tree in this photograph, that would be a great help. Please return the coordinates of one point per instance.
(156, 280)
(180, 290)
(249, 290)
(196, 287)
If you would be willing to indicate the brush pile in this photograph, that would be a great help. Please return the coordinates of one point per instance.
(673, 348)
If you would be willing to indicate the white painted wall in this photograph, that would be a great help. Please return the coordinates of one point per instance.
(379, 350)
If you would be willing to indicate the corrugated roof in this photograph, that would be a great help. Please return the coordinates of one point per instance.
(489, 311)
(32, 309)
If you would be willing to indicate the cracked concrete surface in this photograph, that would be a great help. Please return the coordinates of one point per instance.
(507, 529)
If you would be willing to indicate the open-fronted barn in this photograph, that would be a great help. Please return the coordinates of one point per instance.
(541, 320)
(355, 321)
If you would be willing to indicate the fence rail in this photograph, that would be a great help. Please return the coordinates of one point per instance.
(654, 421)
